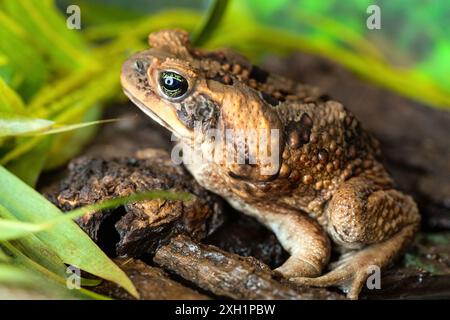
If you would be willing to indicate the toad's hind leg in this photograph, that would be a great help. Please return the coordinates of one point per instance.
(381, 223)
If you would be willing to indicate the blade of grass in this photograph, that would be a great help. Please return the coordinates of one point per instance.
(20, 51)
(70, 127)
(49, 277)
(33, 248)
(29, 166)
(56, 90)
(209, 23)
(66, 239)
(3, 256)
(13, 229)
(10, 274)
(10, 101)
(12, 124)
(97, 91)
(30, 245)
(127, 38)
(50, 34)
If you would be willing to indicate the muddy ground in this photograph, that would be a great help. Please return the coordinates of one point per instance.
(416, 145)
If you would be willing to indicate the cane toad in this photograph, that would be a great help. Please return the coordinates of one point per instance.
(324, 182)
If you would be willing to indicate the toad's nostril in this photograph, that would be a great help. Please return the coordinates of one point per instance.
(140, 66)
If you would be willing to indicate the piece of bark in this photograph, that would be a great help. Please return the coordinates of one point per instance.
(137, 228)
(227, 274)
(410, 283)
(152, 284)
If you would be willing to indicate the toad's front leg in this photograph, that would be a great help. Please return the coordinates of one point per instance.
(304, 239)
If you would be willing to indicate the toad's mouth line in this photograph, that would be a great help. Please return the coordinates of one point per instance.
(150, 113)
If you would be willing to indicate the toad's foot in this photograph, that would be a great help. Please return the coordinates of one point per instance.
(353, 268)
(298, 267)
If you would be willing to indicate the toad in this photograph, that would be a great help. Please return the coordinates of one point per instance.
(309, 171)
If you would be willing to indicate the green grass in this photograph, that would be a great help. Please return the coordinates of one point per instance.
(38, 236)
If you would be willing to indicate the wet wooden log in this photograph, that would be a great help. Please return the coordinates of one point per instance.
(229, 275)
(152, 284)
(410, 283)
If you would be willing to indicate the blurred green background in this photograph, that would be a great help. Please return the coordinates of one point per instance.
(414, 33)
(53, 78)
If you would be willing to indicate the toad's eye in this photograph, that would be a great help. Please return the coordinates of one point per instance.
(172, 84)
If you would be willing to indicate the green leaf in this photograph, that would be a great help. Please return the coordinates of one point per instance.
(69, 127)
(14, 275)
(10, 101)
(33, 248)
(28, 244)
(50, 33)
(12, 229)
(3, 256)
(29, 166)
(12, 125)
(45, 280)
(66, 239)
(25, 64)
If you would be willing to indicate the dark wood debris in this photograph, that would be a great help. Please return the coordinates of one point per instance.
(229, 275)
(152, 283)
(138, 228)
